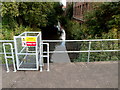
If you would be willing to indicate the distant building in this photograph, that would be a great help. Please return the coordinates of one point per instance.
(79, 8)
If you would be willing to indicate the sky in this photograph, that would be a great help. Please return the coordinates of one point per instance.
(63, 2)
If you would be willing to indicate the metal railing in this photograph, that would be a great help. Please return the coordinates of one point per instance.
(5, 41)
(90, 47)
(83, 46)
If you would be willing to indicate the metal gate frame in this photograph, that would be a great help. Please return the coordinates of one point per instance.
(37, 51)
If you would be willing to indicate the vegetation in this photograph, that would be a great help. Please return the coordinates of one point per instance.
(18, 17)
(103, 22)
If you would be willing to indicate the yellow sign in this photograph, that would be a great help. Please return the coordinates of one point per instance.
(30, 39)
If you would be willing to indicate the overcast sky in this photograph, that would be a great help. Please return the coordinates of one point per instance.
(63, 2)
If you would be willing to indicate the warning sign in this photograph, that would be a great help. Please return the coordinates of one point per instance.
(28, 41)
(31, 43)
(23, 41)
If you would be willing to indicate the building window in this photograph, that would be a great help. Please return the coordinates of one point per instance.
(86, 6)
(83, 8)
(80, 9)
(75, 10)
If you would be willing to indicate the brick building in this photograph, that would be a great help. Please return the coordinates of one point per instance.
(79, 8)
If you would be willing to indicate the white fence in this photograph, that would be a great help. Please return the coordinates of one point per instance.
(89, 46)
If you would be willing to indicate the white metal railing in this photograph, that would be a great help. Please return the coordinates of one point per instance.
(47, 56)
(93, 40)
(6, 41)
(10, 56)
(89, 46)
(81, 40)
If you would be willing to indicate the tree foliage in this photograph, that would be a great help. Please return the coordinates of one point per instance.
(103, 19)
(27, 13)
(102, 22)
(20, 16)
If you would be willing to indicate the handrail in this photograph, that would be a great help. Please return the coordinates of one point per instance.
(81, 40)
(68, 40)
(6, 40)
(83, 51)
(88, 51)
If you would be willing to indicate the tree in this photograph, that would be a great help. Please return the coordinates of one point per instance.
(103, 18)
(27, 12)
(20, 16)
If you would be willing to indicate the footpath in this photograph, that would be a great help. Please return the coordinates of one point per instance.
(65, 75)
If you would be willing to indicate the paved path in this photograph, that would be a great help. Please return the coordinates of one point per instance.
(60, 57)
(65, 75)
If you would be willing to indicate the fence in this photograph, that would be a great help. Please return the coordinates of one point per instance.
(8, 50)
(83, 50)
(88, 50)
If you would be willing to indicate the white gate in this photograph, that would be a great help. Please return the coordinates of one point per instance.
(28, 51)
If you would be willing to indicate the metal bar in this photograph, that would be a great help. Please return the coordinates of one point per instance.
(6, 61)
(82, 51)
(72, 51)
(38, 35)
(25, 56)
(13, 58)
(22, 50)
(48, 60)
(89, 51)
(41, 62)
(104, 50)
(28, 36)
(8, 56)
(80, 40)
(44, 56)
(31, 51)
(65, 40)
(26, 53)
(37, 64)
(41, 58)
(24, 36)
(6, 40)
(41, 53)
(20, 63)
(26, 49)
(16, 52)
(6, 53)
(21, 34)
(48, 67)
(32, 32)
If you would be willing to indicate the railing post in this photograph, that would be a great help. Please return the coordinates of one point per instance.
(48, 66)
(89, 52)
